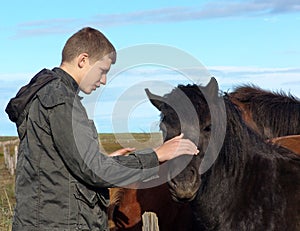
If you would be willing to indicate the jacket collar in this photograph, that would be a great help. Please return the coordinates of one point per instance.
(67, 79)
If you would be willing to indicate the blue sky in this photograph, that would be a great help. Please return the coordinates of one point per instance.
(236, 41)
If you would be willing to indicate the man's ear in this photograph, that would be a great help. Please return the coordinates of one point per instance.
(82, 60)
(156, 100)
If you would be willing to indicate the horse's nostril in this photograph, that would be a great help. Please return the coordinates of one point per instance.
(193, 172)
(173, 184)
(192, 175)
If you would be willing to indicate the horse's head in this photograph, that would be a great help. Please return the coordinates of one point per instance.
(185, 110)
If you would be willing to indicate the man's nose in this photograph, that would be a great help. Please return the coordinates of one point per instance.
(103, 79)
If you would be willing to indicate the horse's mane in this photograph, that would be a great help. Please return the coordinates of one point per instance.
(239, 135)
(275, 112)
(117, 195)
(235, 125)
(251, 92)
(272, 106)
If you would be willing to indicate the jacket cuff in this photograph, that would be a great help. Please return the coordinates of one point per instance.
(150, 164)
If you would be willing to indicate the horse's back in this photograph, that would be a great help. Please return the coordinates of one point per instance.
(291, 142)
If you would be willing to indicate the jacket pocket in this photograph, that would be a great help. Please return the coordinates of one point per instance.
(88, 196)
(93, 128)
(92, 214)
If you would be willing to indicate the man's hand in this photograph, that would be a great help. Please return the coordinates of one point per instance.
(122, 152)
(175, 147)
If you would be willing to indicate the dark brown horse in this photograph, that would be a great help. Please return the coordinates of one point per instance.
(128, 205)
(250, 185)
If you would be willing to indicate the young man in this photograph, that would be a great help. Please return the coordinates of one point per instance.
(61, 177)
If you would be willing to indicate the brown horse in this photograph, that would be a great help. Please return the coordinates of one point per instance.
(265, 112)
(291, 142)
(128, 205)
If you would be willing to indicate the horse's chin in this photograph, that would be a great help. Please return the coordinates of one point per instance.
(183, 198)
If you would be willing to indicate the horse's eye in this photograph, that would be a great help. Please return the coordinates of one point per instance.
(207, 128)
(163, 127)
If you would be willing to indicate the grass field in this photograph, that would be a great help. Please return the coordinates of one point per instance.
(108, 143)
(7, 138)
(7, 199)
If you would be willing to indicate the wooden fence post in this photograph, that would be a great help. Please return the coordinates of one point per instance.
(150, 222)
(16, 154)
(6, 154)
(10, 161)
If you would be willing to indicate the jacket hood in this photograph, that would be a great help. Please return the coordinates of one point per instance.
(17, 106)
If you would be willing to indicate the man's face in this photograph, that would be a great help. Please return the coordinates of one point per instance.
(96, 75)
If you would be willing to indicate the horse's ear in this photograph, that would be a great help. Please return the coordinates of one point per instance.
(212, 88)
(156, 100)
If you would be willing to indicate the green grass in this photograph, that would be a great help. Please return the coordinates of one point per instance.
(7, 198)
(6, 138)
(109, 143)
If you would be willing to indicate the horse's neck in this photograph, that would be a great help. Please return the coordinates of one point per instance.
(237, 188)
(238, 147)
(245, 164)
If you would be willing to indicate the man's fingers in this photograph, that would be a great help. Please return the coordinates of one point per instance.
(175, 147)
(179, 137)
(187, 146)
(121, 152)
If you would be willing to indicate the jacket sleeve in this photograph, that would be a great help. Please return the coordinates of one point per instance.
(76, 140)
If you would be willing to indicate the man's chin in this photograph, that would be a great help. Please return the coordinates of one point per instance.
(87, 91)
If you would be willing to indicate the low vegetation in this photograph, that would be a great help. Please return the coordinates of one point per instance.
(7, 199)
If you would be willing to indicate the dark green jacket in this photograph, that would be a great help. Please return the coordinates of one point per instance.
(61, 177)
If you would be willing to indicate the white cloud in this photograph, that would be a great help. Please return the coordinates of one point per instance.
(275, 79)
(210, 10)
